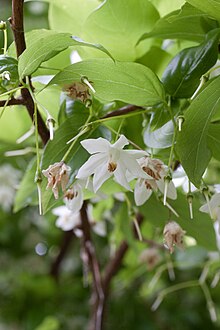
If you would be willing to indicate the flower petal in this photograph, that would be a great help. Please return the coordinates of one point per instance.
(91, 165)
(136, 153)
(133, 166)
(76, 202)
(120, 176)
(101, 175)
(120, 143)
(141, 193)
(213, 203)
(171, 190)
(95, 145)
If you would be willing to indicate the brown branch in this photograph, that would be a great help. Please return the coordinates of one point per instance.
(12, 101)
(17, 27)
(65, 244)
(96, 321)
(123, 111)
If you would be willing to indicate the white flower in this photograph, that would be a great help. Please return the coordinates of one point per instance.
(110, 160)
(73, 198)
(9, 178)
(156, 170)
(69, 220)
(214, 206)
(66, 220)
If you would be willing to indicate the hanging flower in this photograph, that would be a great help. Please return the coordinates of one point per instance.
(156, 171)
(57, 175)
(173, 235)
(213, 208)
(67, 220)
(73, 198)
(110, 160)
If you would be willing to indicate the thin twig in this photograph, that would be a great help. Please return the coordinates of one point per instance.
(123, 111)
(12, 101)
(96, 321)
(17, 26)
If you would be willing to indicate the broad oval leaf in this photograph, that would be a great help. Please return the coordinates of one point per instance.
(211, 7)
(121, 23)
(192, 145)
(123, 81)
(182, 75)
(47, 45)
(188, 23)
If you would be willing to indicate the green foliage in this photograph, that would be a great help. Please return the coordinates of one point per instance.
(192, 145)
(208, 6)
(188, 23)
(124, 81)
(47, 45)
(182, 75)
(81, 93)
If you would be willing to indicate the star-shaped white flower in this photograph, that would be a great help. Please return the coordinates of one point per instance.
(110, 160)
(156, 170)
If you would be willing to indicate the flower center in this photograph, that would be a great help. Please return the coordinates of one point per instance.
(112, 166)
(150, 172)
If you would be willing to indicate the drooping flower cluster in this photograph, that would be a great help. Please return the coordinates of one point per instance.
(109, 160)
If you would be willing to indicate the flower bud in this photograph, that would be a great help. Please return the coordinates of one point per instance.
(180, 121)
(6, 75)
(3, 25)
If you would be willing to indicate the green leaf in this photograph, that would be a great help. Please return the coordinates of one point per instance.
(182, 75)
(121, 23)
(201, 227)
(160, 138)
(188, 23)
(214, 140)
(124, 81)
(27, 192)
(166, 6)
(47, 45)
(211, 7)
(9, 64)
(69, 16)
(191, 145)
